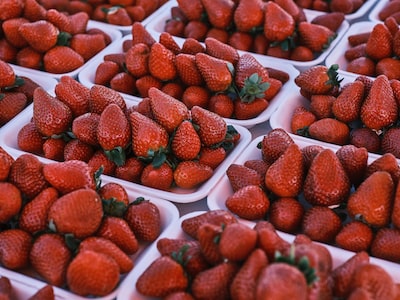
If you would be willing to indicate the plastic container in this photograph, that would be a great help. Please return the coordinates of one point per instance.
(156, 27)
(114, 34)
(128, 289)
(374, 13)
(25, 286)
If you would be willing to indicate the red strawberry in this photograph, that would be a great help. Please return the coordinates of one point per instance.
(278, 23)
(286, 214)
(192, 46)
(385, 243)
(220, 14)
(143, 217)
(162, 62)
(355, 236)
(11, 33)
(117, 15)
(77, 150)
(195, 95)
(141, 35)
(386, 162)
(365, 137)
(242, 14)
(240, 176)
(330, 130)
(192, 10)
(124, 83)
(208, 236)
(84, 127)
(187, 69)
(190, 174)
(380, 42)
(62, 59)
(168, 42)
(158, 177)
(301, 118)
(6, 161)
(314, 36)
(131, 170)
(92, 273)
(14, 248)
(11, 104)
(137, 59)
(220, 50)
(105, 71)
(321, 105)
(153, 282)
(43, 293)
(395, 217)
(50, 257)
(59, 20)
(34, 11)
(53, 148)
(186, 142)
(50, 115)
(332, 20)
(41, 35)
(274, 144)
(348, 104)
(29, 139)
(326, 182)
(222, 105)
(11, 201)
(101, 96)
(250, 202)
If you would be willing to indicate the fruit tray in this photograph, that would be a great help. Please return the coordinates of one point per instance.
(156, 27)
(8, 139)
(25, 286)
(114, 34)
(374, 13)
(217, 197)
(337, 55)
(86, 77)
(128, 290)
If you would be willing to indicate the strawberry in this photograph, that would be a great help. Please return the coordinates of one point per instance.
(59, 20)
(107, 247)
(29, 58)
(136, 59)
(196, 95)
(50, 257)
(173, 89)
(375, 280)
(190, 174)
(385, 243)
(377, 189)
(144, 83)
(124, 83)
(379, 109)
(389, 67)
(355, 52)
(365, 137)
(244, 282)
(348, 103)
(5, 287)
(84, 127)
(217, 217)
(41, 35)
(44, 293)
(326, 182)
(114, 133)
(101, 96)
(29, 139)
(319, 79)
(144, 219)
(11, 9)
(196, 30)
(105, 71)
(118, 231)
(330, 130)
(321, 224)
(33, 216)
(168, 111)
(214, 282)
(212, 127)
(50, 115)
(158, 177)
(26, 174)
(11, 201)
(237, 241)
(220, 14)
(186, 142)
(69, 175)
(389, 140)
(285, 176)
(79, 21)
(11, 104)
(246, 66)
(248, 110)
(301, 118)
(212, 157)
(354, 161)
(332, 20)
(187, 69)
(345, 7)
(6, 161)
(117, 15)
(278, 23)
(274, 144)
(175, 26)
(395, 217)
(34, 11)
(355, 236)
(215, 72)
(77, 150)
(92, 273)
(62, 59)
(362, 65)
(208, 236)
(153, 282)
(79, 42)
(321, 105)
(222, 105)
(309, 152)
(276, 274)
(386, 162)
(161, 62)
(380, 42)
(7, 74)
(73, 94)
(27, 87)
(11, 33)
(244, 10)
(131, 170)
(314, 36)
(249, 202)
(100, 161)
(141, 35)
(14, 248)
(220, 50)
(168, 42)
(192, 46)
(240, 176)
(192, 10)
(286, 214)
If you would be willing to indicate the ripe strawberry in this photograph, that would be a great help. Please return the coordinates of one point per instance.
(319, 79)
(314, 36)
(158, 177)
(187, 69)
(34, 11)
(59, 20)
(131, 170)
(212, 127)
(50, 115)
(321, 105)
(330, 130)
(175, 26)
(250, 202)
(92, 273)
(332, 20)
(196, 29)
(62, 59)
(69, 175)
(355, 52)
(84, 127)
(220, 14)
(29, 58)
(41, 35)
(380, 42)
(7, 74)
(379, 109)
(214, 282)
(355, 236)
(214, 71)
(118, 15)
(217, 217)
(244, 282)
(242, 14)
(286, 214)
(26, 174)
(196, 95)
(285, 176)
(222, 105)
(124, 83)
(326, 182)
(143, 217)
(14, 248)
(107, 247)
(208, 236)
(100, 161)
(192, 46)
(386, 162)
(385, 243)
(29, 139)
(50, 257)
(11, 104)
(144, 83)
(186, 142)
(5, 287)
(161, 62)
(137, 58)
(45, 293)
(168, 42)
(11, 201)
(192, 10)
(11, 33)
(389, 67)
(278, 23)
(354, 161)
(33, 216)
(377, 189)
(220, 50)
(189, 174)
(141, 35)
(248, 110)
(274, 144)
(362, 65)
(27, 87)
(80, 44)
(101, 96)
(118, 231)
(277, 274)
(365, 137)
(153, 282)
(168, 111)
(348, 103)
(77, 150)
(395, 217)
(6, 161)
(240, 176)
(301, 118)
(321, 224)
(173, 89)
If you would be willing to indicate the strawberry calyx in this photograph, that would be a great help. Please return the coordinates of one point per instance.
(116, 155)
(63, 38)
(111, 10)
(333, 76)
(114, 207)
(72, 242)
(231, 137)
(328, 43)
(19, 81)
(303, 264)
(155, 157)
(253, 88)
